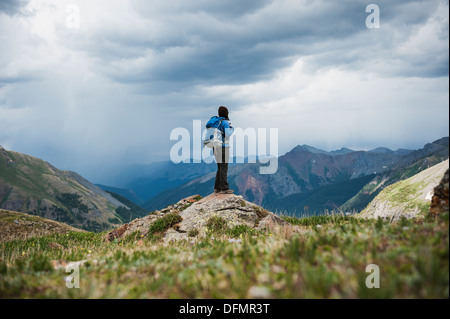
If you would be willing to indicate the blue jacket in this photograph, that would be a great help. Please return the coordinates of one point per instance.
(225, 127)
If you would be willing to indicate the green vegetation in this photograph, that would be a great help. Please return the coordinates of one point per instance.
(219, 226)
(164, 223)
(328, 197)
(134, 211)
(405, 192)
(321, 219)
(320, 262)
(136, 235)
(73, 202)
(14, 225)
(241, 230)
(92, 225)
(364, 196)
(193, 232)
(216, 224)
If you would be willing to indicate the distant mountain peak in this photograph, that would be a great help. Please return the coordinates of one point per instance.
(443, 140)
(383, 150)
(343, 150)
(313, 149)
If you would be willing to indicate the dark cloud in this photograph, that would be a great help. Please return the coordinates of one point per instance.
(12, 7)
(218, 43)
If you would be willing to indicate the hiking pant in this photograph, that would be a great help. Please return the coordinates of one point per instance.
(221, 155)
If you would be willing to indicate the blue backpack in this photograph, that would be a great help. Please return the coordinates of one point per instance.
(213, 137)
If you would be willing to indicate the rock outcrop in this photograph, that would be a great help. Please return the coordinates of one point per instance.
(439, 201)
(196, 212)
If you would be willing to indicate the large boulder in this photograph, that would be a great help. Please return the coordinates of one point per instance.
(196, 212)
(439, 201)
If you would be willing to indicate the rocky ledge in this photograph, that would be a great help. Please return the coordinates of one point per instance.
(196, 212)
(440, 200)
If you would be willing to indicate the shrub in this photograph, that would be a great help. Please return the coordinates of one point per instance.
(216, 224)
(3, 268)
(238, 230)
(164, 223)
(193, 232)
(132, 237)
(40, 262)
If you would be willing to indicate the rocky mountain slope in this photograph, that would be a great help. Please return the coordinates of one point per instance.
(31, 185)
(312, 180)
(15, 225)
(407, 198)
(193, 216)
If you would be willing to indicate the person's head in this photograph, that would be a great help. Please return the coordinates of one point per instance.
(223, 112)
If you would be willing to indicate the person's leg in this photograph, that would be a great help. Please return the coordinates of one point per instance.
(218, 157)
(216, 183)
(224, 172)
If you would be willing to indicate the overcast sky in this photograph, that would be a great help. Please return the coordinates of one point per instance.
(104, 88)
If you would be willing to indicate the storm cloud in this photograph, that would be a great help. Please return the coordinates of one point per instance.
(108, 92)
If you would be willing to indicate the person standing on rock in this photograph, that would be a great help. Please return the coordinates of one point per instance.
(221, 153)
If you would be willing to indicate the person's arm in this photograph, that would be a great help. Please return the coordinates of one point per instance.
(227, 128)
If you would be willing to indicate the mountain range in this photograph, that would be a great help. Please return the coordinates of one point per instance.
(141, 182)
(310, 180)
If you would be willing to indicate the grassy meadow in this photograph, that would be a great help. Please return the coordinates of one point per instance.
(326, 259)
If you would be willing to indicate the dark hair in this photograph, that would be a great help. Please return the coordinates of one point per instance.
(223, 112)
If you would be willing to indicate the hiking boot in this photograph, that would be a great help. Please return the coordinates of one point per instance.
(216, 190)
(227, 191)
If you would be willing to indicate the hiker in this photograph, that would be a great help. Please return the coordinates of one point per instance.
(222, 152)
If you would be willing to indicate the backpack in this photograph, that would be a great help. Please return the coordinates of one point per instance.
(213, 137)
